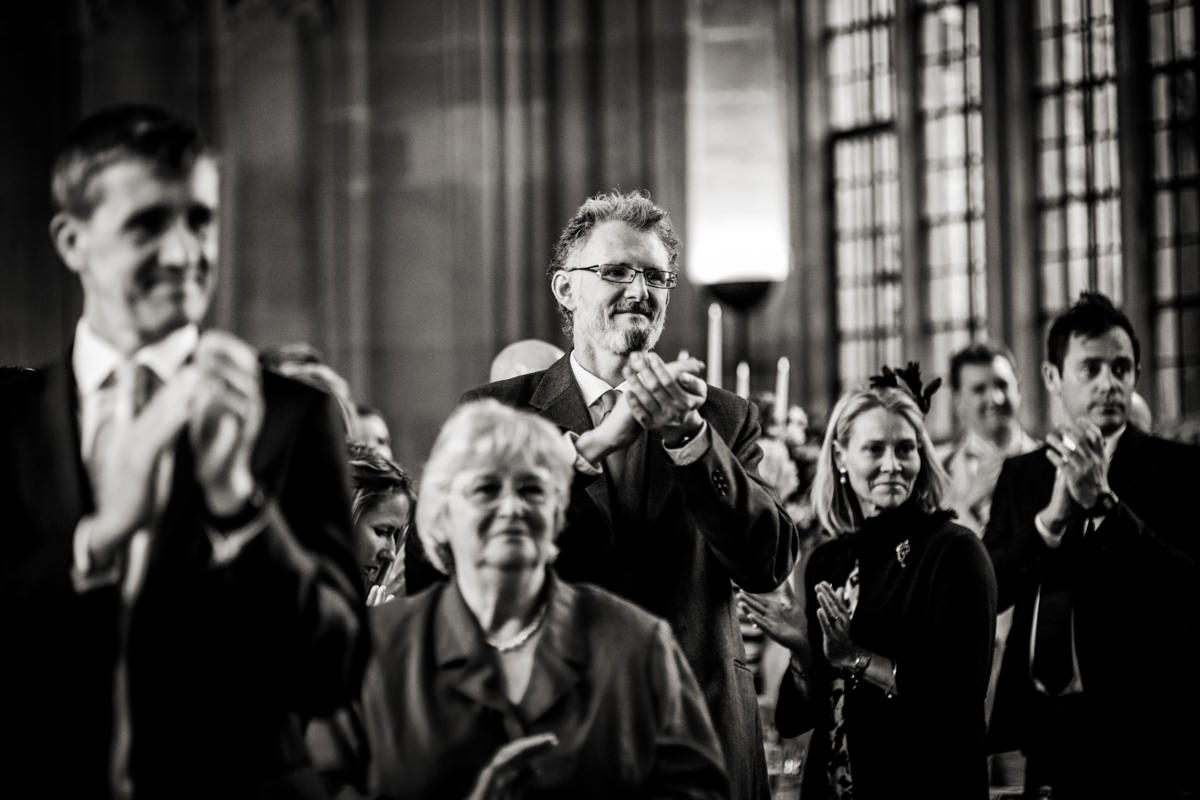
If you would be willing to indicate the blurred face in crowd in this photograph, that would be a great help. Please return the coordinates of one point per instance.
(613, 317)
(881, 459)
(988, 397)
(379, 534)
(374, 431)
(502, 515)
(1096, 380)
(146, 255)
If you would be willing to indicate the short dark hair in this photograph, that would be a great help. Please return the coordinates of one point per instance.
(984, 352)
(121, 133)
(634, 208)
(1092, 315)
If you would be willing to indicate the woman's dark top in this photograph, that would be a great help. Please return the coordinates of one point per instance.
(934, 614)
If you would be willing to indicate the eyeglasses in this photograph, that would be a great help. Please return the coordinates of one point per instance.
(624, 273)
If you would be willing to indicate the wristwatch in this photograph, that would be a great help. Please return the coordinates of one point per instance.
(1104, 505)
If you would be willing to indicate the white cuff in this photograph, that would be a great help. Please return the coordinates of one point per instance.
(693, 449)
(1052, 540)
(582, 465)
(84, 576)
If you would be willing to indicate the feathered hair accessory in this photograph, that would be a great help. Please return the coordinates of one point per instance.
(909, 379)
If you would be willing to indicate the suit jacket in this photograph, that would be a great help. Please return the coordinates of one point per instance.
(701, 528)
(608, 679)
(218, 657)
(1134, 584)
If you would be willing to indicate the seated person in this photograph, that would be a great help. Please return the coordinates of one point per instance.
(506, 651)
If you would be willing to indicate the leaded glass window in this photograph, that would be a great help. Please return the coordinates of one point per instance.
(1176, 360)
(952, 169)
(1079, 169)
(866, 187)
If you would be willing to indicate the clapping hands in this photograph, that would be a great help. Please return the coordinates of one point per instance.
(665, 396)
(1077, 452)
(779, 614)
(226, 416)
(834, 617)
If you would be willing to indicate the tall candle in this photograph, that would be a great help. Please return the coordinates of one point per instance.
(743, 380)
(781, 391)
(714, 344)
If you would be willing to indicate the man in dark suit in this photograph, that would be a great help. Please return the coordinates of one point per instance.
(176, 574)
(667, 507)
(1094, 542)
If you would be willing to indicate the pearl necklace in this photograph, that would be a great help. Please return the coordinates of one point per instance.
(522, 636)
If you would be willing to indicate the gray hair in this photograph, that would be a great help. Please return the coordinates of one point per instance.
(831, 501)
(634, 208)
(486, 431)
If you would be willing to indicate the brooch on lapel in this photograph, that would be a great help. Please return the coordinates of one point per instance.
(902, 551)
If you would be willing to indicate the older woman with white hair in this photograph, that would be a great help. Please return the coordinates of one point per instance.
(891, 651)
(592, 695)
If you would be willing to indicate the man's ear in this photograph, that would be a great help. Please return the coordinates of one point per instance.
(564, 292)
(65, 233)
(1051, 378)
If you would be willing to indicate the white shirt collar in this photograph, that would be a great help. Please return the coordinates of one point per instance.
(591, 386)
(93, 359)
(1111, 442)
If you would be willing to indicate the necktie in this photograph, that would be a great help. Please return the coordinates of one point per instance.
(135, 385)
(614, 461)
(624, 467)
(1053, 665)
(121, 397)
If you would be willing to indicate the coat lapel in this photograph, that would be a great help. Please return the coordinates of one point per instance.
(558, 399)
(61, 489)
(1126, 458)
(659, 479)
(560, 661)
(461, 653)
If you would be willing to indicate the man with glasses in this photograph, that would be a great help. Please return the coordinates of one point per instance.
(667, 506)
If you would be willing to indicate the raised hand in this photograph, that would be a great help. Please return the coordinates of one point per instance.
(391, 585)
(126, 458)
(1077, 452)
(665, 397)
(500, 778)
(834, 617)
(779, 614)
(225, 419)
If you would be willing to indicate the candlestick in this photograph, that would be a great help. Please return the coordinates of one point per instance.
(714, 345)
(781, 391)
(743, 380)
